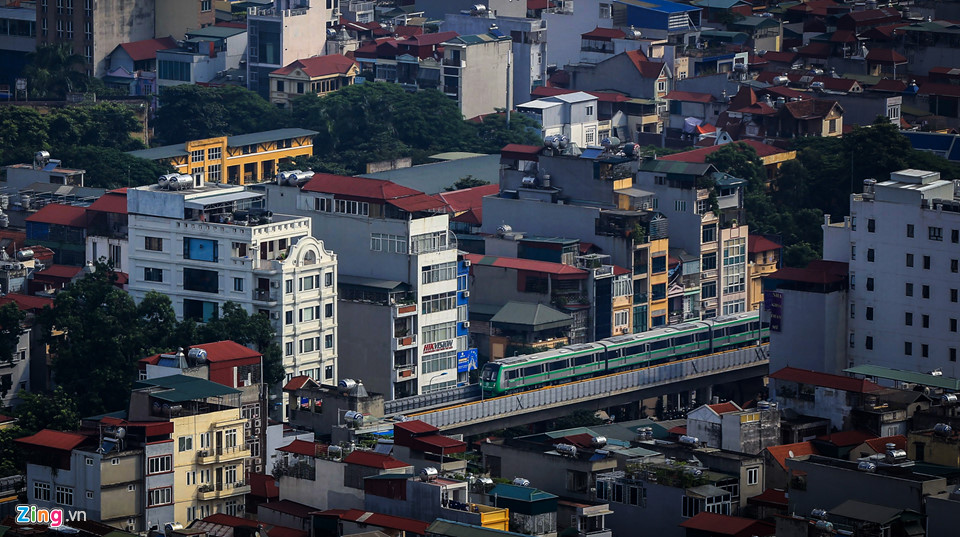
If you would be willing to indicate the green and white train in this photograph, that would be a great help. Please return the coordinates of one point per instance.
(621, 353)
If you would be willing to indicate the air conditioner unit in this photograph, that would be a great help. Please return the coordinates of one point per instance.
(467, 263)
(466, 324)
(275, 315)
(275, 284)
(466, 294)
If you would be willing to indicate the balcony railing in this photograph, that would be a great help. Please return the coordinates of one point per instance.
(222, 490)
(264, 295)
(404, 342)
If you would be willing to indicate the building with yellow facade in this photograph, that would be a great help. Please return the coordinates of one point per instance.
(763, 259)
(237, 160)
(208, 444)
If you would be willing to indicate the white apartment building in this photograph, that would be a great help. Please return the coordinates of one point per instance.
(477, 71)
(398, 285)
(210, 244)
(901, 243)
(573, 115)
(286, 31)
(684, 193)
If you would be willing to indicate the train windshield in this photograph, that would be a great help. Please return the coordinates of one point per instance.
(489, 372)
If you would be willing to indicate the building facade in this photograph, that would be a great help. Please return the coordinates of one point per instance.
(208, 245)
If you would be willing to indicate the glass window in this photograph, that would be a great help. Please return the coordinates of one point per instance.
(439, 302)
(438, 273)
(64, 495)
(201, 249)
(153, 274)
(200, 310)
(204, 281)
(154, 244)
(41, 491)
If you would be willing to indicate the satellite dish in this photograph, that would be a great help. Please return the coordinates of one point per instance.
(790, 453)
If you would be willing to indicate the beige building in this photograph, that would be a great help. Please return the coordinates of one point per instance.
(318, 75)
(763, 258)
(475, 72)
(176, 17)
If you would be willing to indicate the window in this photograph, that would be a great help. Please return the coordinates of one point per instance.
(753, 476)
(953, 265)
(953, 325)
(709, 261)
(709, 233)
(926, 262)
(351, 207)
(735, 306)
(429, 242)
(853, 309)
(204, 281)
(868, 343)
(440, 361)
(908, 290)
(438, 273)
(622, 286)
(154, 244)
(64, 495)
(159, 465)
(288, 286)
(910, 230)
(196, 155)
(589, 111)
(309, 283)
(280, 85)
(328, 310)
(925, 320)
(871, 225)
(162, 496)
(185, 443)
(214, 153)
(328, 279)
(230, 439)
(908, 348)
(238, 284)
(439, 332)
(191, 478)
(328, 341)
(909, 260)
(853, 252)
(382, 242)
(214, 174)
(439, 302)
(852, 340)
(41, 491)
(201, 249)
(924, 350)
(206, 5)
(935, 233)
(328, 372)
(708, 290)
(153, 274)
(953, 295)
(307, 345)
(620, 318)
(908, 319)
(955, 236)
(953, 354)
(833, 125)
(680, 206)
(871, 255)
(288, 348)
(288, 317)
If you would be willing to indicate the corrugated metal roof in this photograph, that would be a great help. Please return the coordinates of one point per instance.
(179, 388)
(923, 379)
(267, 136)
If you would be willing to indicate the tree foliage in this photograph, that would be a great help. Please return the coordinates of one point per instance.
(468, 181)
(190, 112)
(53, 70)
(57, 410)
(111, 168)
(11, 329)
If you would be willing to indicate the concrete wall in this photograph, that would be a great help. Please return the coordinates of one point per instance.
(369, 359)
(566, 28)
(483, 81)
(115, 22)
(812, 332)
(175, 17)
(326, 492)
(162, 514)
(545, 472)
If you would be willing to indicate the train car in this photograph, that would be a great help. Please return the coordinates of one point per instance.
(622, 353)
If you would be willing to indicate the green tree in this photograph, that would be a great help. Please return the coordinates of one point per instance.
(11, 328)
(111, 168)
(57, 410)
(99, 321)
(190, 112)
(23, 131)
(11, 457)
(234, 323)
(468, 181)
(494, 133)
(54, 70)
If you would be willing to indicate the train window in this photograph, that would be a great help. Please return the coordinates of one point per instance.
(513, 374)
(559, 364)
(765, 325)
(719, 332)
(754, 326)
(662, 344)
(703, 336)
(532, 370)
(584, 360)
(736, 329)
(634, 349)
(683, 340)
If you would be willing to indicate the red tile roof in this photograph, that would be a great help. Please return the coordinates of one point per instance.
(836, 84)
(406, 31)
(231, 24)
(61, 215)
(787, 93)
(521, 149)
(364, 189)
(289, 507)
(317, 66)
(604, 34)
(602, 96)
(689, 96)
(429, 39)
(885, 56)
(759, 243)
(699, 156)
(147, 49)
(770, 497)
(263, 485)
(372, 459)
(787, 451)
(817, 49)
(525, 264)
(49, 438)
(538, 4)
(889, 84)
(810, 109)
(678, 430)
(298, 382)
(224, 351)
(435, 443)
(619, 271)
(27, 302)
(58, 271)
(111, 202)
(5, 419)
(826, 380)
(780, 56)
(636, 56)
(843, 36)
(880, 444)
(384, 521)
(416, 427)
(817, 272)
(735, 526)
(471, 216)
(847, 438)
(300, 447)
(939, 89)
(723, 408)
(468, 198)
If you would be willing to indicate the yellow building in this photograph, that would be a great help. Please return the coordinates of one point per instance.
(934, 447)
(318, 75)
(764, 259)
(237, 160)
(209, 443)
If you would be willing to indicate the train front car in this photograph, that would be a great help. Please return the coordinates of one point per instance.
(489, 378)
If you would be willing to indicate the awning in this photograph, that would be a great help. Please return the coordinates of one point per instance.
(200, 203)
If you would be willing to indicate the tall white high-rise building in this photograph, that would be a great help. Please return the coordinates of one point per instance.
(902, 243)
(209, 244)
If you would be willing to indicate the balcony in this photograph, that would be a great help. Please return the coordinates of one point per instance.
(404, 342)
(404, 372)
(223, 454)
(222, 490)
(404, 310)
(264, 295)
(451, 62)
